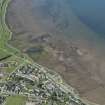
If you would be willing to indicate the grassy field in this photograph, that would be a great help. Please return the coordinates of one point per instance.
(3, 54)
(16, 100)
(5, 34)
(3, 29)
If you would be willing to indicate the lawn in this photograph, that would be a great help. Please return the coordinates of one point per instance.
(16, 100)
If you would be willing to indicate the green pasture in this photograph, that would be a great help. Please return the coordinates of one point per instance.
(15, 100)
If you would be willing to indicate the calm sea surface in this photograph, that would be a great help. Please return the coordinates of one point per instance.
(91, 12)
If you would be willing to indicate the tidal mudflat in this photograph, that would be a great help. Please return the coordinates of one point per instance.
(51, 33)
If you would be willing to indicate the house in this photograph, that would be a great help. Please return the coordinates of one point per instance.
(2, 65)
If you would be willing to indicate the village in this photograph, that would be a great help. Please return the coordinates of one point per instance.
(34, 82)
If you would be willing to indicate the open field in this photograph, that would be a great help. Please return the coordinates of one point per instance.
(16, 100)
(3, 54)
(5, 33)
